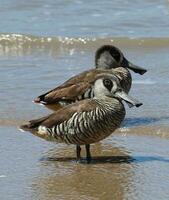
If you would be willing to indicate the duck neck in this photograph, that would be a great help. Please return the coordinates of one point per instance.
(108, 100)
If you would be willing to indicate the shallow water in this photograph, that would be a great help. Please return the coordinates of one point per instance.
(123, 167)
(36, 55)
(86, 18)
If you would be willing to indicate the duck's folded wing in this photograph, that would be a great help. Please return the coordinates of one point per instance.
(67, 94)
(70, 89)
(61, 115)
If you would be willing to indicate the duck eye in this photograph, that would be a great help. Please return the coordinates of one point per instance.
(108, 84)
(115, 54)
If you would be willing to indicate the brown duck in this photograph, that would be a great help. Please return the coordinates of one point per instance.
(86, 121)
(108, 59)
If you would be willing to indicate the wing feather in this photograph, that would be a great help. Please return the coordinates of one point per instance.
(70, 89)
(61, 115)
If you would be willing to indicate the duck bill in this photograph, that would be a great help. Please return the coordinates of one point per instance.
(134, 68)
(129, 100)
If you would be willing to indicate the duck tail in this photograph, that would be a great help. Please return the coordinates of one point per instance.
(32, 125)
(40, 99)
(28, 127)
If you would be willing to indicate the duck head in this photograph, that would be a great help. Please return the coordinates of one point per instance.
(108, 57)
(108, 85)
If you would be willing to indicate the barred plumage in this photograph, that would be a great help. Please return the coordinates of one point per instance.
(86, 121)
(89, 94)
(83, 128)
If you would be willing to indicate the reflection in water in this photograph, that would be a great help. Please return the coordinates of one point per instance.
(95, 160)
(108, 177)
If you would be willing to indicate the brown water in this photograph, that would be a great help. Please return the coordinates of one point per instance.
(133, 163)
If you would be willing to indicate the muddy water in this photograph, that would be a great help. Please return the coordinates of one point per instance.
(133, 163)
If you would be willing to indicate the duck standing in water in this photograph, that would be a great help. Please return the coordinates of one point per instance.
(108, 59)
(86, 121)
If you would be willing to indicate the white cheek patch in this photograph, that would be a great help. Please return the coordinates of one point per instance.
(100, 89)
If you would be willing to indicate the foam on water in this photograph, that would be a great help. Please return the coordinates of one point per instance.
(15, 39)
(19, 44)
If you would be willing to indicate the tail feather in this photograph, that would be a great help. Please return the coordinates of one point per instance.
(39, 99)
(36, 128)
(26, 127)
(33, 124)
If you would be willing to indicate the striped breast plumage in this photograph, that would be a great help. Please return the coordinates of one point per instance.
(89, 126)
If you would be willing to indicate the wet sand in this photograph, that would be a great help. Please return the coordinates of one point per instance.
(132, 166)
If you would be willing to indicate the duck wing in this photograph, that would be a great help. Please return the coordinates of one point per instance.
(61, 115)
(71, 89)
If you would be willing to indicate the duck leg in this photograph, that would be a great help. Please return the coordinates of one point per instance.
(78, 150)
(88, 155)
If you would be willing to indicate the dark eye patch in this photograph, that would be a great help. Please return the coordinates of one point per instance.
(108, 84)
